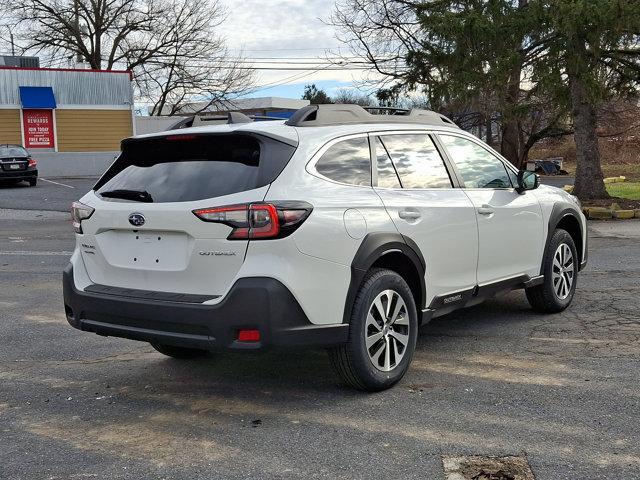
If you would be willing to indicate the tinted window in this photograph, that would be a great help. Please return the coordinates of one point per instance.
(12, 151)
(417, 161)
(387, 177)
(513, 177)
(347, 161)
(183, 168)
(478, 167)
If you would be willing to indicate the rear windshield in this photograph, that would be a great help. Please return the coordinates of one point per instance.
(12, 151)
(183, 168)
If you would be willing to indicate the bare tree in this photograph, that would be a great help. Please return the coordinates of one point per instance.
(170, 46)
(478, 91)
(351, 96)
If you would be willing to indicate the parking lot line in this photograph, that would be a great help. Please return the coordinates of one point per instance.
(57, 183)
(34, 253)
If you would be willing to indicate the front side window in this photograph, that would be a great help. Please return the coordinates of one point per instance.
(417, 161)
(478, 167)
(347, 161)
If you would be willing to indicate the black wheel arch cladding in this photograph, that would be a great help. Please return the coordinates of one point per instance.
(562, 213)
(375, 246)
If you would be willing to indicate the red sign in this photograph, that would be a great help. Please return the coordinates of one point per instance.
(38, 128)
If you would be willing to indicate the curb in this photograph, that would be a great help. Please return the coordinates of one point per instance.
(602, 213)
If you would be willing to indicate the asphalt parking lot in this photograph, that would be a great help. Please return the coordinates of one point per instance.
(497, 379)
(51, 194)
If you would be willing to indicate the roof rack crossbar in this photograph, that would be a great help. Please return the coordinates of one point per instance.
(337, 114)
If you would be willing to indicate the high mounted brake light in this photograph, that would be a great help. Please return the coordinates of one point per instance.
(256, 221)
(178, 138)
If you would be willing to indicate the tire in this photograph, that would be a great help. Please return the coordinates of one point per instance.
(557, 290)
(33, 182)
(370, 369)
(179, 352)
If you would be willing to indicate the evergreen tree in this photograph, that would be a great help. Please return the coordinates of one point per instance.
(530, 64)
(590, 53)
(315, 95)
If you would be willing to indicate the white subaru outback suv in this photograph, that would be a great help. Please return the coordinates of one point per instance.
(336, 228)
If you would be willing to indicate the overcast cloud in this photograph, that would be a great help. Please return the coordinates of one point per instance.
(285, 28)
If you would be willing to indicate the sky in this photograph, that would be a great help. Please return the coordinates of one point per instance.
(292, 30)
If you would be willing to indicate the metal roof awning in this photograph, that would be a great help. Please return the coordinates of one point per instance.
(37, 97)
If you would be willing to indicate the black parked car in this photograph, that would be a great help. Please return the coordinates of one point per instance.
(16, 164)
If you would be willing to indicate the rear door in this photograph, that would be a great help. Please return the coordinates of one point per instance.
(143, 233)
(510, 225)
(417, 191)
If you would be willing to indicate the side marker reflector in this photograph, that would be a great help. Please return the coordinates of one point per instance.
(249, 336)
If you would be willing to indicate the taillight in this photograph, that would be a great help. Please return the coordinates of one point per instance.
(79, 212)
(32, 162)
(258, 220)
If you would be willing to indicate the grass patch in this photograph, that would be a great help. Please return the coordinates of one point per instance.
(628, 190)
(629, 170)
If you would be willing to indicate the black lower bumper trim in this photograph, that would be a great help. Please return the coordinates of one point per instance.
(18, 174)
(258, 303)
(149, 295)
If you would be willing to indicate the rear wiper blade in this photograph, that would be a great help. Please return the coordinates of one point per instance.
(135, 195)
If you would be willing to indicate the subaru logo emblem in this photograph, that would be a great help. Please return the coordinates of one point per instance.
(136, 219)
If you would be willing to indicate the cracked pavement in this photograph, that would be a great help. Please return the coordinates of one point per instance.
(496, 379)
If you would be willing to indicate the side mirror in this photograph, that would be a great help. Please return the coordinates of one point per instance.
(527, 181)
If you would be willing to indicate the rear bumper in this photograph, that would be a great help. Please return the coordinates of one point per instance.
(18, 174)
(258, 303)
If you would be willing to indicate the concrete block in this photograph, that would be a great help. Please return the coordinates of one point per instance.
(623, 214)
(619, 179)
(598, 213)
(636, 213)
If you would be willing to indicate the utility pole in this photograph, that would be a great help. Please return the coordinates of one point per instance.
(76, 12)
(13, 45)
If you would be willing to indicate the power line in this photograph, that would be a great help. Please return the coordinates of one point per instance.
(285, 81)
(285, 49)
(283, 69)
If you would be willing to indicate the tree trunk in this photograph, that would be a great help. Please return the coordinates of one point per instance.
(510, 146)
(589, 182)
(489, 130)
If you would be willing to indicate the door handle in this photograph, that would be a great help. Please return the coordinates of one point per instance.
(486, 210)
(409, 214)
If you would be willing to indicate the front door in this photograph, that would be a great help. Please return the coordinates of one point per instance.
(510, 225)
(416, 189)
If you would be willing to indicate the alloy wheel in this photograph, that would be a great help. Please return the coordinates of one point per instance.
(387, 330)
(562, 273)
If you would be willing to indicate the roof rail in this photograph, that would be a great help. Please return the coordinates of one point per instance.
(231, 117)
(336, 114)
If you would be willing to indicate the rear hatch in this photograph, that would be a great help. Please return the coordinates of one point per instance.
(143, 233)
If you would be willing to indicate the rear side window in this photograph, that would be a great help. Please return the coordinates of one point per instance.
(347, 161)
(417, 161)
(183, 168)
(478, 167)
(387, 176)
